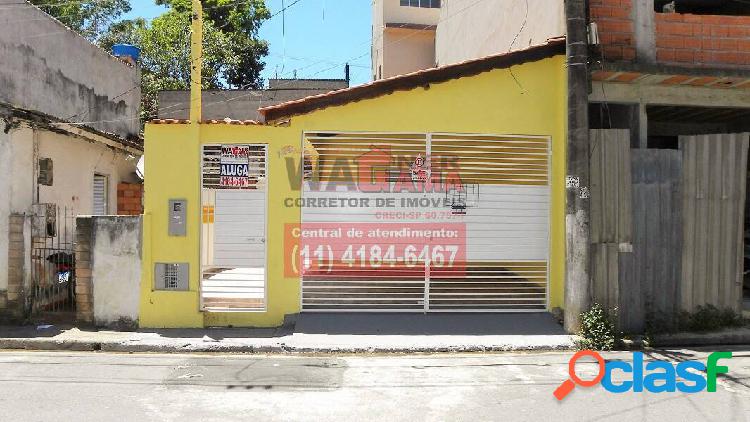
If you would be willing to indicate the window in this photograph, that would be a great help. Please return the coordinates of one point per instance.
(44, 177)
(101, 187)
(703, 7)
(433, 4)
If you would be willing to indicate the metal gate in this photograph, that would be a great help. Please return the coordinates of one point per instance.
(234, 198)
(52, 259)
(494, 189)
(714, 193)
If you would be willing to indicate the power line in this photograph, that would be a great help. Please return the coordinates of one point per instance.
(284, 9)
(401, 39)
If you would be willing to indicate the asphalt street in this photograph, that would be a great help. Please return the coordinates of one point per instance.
(91, 386)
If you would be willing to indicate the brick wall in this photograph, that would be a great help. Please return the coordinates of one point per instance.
(16, 259)
(129, 199)
(681, 39)
(703, 40)
(614, 19)
(84, 286)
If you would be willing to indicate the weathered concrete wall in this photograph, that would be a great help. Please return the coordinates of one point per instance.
(115, 268)
(49, 68)
(4, 206)
(469, 29)
(241, 104)
(75, 163)
(304, 84)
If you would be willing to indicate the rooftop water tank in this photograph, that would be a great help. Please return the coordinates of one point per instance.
(126, 52)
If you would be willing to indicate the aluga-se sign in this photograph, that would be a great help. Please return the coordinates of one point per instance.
(656, 376)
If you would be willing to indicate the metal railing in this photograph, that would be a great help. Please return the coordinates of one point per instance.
(52, 259)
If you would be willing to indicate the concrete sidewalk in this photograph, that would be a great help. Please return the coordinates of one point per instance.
(317, 333)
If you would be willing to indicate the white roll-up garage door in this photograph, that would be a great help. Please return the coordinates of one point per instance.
(495, 190)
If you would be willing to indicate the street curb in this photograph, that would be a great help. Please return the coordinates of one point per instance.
(729, 337)
(186, 347)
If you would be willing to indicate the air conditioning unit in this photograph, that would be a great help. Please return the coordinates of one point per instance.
(171, 276)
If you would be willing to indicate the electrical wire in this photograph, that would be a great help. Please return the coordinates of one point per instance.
(390, 44)
(252, 93)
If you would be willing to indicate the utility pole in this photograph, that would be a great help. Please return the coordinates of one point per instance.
(196, 62)
(577, 232)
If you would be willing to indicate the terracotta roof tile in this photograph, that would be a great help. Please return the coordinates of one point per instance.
(170, 122)
(552, 47)
(226, 121)
(229, 121)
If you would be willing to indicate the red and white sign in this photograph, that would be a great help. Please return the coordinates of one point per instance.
(235, 165)
(389, 248)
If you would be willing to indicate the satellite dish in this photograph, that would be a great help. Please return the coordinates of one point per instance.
(139, 168)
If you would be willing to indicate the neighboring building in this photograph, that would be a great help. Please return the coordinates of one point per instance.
(244, 104)
(676, 85)
(39, 72)
(403, 36)
(469, 29)
(672, 80)
(69, 136)
(411, 35)
(219, 242)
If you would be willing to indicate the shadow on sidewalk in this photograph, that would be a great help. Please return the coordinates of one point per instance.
(375, 324)
(458, 324)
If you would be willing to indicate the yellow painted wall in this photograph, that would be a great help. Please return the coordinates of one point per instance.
(534, 103)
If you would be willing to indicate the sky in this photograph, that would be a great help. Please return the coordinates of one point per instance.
(315, 38)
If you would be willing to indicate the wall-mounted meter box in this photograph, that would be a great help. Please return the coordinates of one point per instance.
(171, 276)
(178, 217)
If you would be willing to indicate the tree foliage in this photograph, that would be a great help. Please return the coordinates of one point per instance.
(237, 24)
(232, 51)
(90, 19)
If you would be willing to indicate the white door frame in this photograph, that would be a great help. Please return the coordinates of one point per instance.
(201, 305)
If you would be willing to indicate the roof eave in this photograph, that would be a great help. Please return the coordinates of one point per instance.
(413, 80)
(55, 124)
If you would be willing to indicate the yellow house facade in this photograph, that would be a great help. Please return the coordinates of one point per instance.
(516, 99)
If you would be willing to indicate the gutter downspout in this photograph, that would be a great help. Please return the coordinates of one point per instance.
(577, 230)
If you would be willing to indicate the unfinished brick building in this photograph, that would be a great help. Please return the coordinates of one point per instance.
(669, 109)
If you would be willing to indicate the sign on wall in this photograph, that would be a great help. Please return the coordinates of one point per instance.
(235, 166)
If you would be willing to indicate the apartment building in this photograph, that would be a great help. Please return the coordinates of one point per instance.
(403, 36)
(411, 35)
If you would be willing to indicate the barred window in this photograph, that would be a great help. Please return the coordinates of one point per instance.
(433, 4)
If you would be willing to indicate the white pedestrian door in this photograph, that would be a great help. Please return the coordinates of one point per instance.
(240, 229)
(233, 240)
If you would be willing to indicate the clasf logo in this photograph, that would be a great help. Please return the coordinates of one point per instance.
(656, 376)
